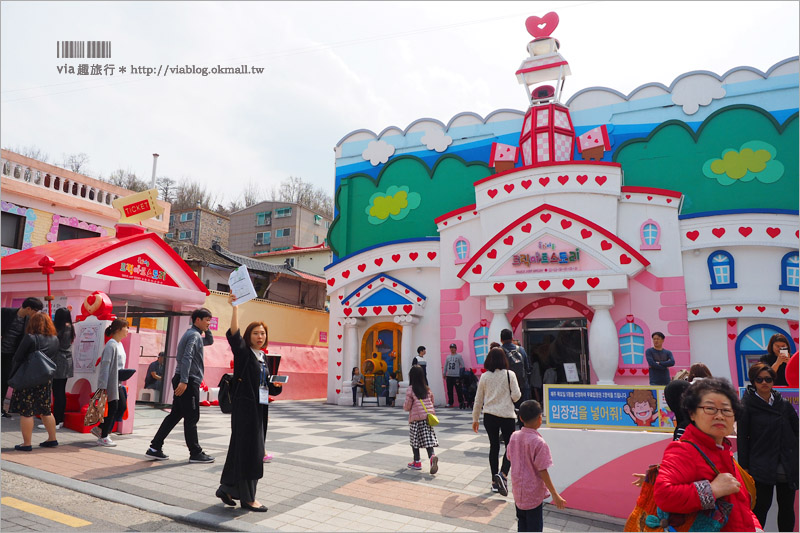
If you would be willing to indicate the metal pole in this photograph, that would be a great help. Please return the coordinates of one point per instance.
(153, 181)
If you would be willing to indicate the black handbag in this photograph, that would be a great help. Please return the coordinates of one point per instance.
(36, 369)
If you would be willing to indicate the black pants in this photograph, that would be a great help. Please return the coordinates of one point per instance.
(495, 427)
(116, 408)
(5, 370)
(416, 453)
(530, 519)
(59, 399)
(454, 383)
(187, 407)
(355, 393)
(785, 495)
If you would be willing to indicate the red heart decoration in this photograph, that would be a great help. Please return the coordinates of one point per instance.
(394, 284)
(492, 193)
(773, 232)
(593, 282)
(379, 261)
(347, 303)
(369, 286)
(396, 258)
(717, 309)
(669, 200)
(347, 311)
(605, 245)
(382, 280)
(793, 326)
(718, 232)
(431, 255)
(545, 217)
(521, 285)
(338, 363)
(346, 274)
(338, 349)
(624, 259)
(459, 217)
(491, 254)
(585, 233)
(570, 302)
(544, 284)
(413, 256)
(419, 299)
(600, 180)
(692, 235)
(407, 291)
(508, 187)
(498, 287)
(362, 311)
(444, 223)
(392, 309)
(645, 371)
(761, 308)
(407, 308)
(377, 309)
(509, 240)
(731, 323)
(331, 281)
(582, 179)
(731, 336)
(362, 267)
(340, 297)
(620, 371)
(338, 391)
(745, 231)
(739, 308)
(526, 228)
(627, 196)
(338, 377)
(565, 224)
(784, 310)
(568, 283)
(563, 179)
(542, 26)
(695, 311)
(632, 370)
(339, 336)
(477, 269)
(649, 198)
(526, 183)
(552, 300)
(358, 294)
(544, 181)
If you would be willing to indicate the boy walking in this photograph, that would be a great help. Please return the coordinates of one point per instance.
(530, 458)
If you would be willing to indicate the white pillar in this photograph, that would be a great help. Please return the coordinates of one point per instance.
(407, 348)
(499, 306)
(603, 339)
(350, 350)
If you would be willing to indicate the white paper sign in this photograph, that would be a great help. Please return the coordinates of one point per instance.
(241, 286)
(571, 371)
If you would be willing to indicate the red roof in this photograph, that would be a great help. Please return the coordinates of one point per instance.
(75, 252)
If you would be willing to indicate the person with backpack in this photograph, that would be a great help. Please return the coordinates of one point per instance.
(518, 363)
(451, 372)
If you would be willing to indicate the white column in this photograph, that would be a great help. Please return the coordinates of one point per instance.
(407, 347)
(603, 339)
(499, 306)
(350, 349)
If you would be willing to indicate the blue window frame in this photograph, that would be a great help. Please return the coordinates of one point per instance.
(631, 344)
(752, 343)
(480, 342)
(650, 234)
(790, 272)
(721, 271)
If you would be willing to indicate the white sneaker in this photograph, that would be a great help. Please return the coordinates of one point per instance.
(58, 426)
(97, 432)
(106, 442)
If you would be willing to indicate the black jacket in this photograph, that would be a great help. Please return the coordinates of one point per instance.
(780, 377)
(768, 434)
(245, 458)
(6, 318)
(29, 344)
(673, 394)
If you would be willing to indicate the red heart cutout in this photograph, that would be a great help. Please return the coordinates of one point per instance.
(521, 285)
(526, 228)
(338, 363)
(377, 309)
(546, 217)
(585, 233)
(745, 231)
(544, 181)
(552, 300)
(338, 349)
(632, 370)
(563, 179)
(605, 245)
(362, 267)
(340, 297)
(620, 371)
(431, 255)
(544, 284)
(407, 308)
(593, 282)
(645, 371)
(793, 326)
(669, 200)
(331, 281)
(392, 309)
(362, 311)
(784, 310)
(718, 232)
(731, 323)
(459, 217)
(444, 223)
(492, 193)
(717, 309)
(358, 294)
(649, 198)
(582, 179)
(692, 235)
(761, 308)
(413, 256)
(407, 291)
(731, 336)
(379, 261)
(499, 286)
(369, 286)
(508, 187)
(477, 269)
(526, 183)
(394, 284)
(565, 224)
(695, 311)
(346, 274)
(624, 259)
(568, 283)
(338, 391)
(339, 336)
(347, 311)
(739, 308)
(396, 258)
(347, 303)
(600, 180)
(542, 26)
(773, 232)
(419, 299)
(382, 280)
(492, 254)
(627, 196)
(509, 240)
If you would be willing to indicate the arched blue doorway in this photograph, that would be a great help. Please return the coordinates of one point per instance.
(752, 343)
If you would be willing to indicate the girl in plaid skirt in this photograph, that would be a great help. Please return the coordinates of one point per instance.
(420, 434)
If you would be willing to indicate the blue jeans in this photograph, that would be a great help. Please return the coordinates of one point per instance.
(531, 519)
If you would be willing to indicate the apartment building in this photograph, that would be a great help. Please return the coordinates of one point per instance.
(199, 226)
(275, 226)
(312, 259)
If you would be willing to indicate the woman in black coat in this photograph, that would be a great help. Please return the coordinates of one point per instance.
(768, 445)
(244, 463)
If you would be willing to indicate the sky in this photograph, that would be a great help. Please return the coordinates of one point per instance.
(329, 68)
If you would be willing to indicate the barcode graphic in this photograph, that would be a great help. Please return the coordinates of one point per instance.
(83, 49)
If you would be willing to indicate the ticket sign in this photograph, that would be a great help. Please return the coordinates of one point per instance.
(139, 206)
(608, 407)
(140, 268)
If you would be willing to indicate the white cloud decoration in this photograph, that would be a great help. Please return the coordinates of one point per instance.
(378, 152)
(694, 91)
(435, 139)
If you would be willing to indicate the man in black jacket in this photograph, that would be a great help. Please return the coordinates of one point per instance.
(13, 329)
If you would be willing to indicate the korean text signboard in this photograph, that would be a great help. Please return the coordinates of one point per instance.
(608, 407)
(140, 268)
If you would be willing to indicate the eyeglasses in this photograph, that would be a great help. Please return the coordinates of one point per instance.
(762, 380)
(710, 410)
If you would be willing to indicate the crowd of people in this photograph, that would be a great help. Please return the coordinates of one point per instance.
(698, 470)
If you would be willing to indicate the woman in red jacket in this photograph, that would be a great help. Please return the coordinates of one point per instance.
(686, 483)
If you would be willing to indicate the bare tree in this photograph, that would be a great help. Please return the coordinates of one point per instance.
(76, 162)
(190, 194)
(34, 152)
(296, 190)
(166, 188)
(251, 195)
(127, 180)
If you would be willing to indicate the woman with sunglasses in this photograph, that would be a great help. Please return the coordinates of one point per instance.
(768, 445)
(686, 481)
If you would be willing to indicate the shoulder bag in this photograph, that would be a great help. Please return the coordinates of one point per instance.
(433, 420)
(97, 406)
(37, 369)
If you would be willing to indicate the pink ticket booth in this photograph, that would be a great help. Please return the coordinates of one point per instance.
(141, 276)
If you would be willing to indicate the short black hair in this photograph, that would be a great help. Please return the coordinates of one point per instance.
(495, 359)
(659, 334)
(200, 313)
(32, 303)
(420, 348)
(506, 335)
(698, 389)
(529, 410)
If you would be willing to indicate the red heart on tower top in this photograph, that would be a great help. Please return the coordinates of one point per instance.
(542, 26)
